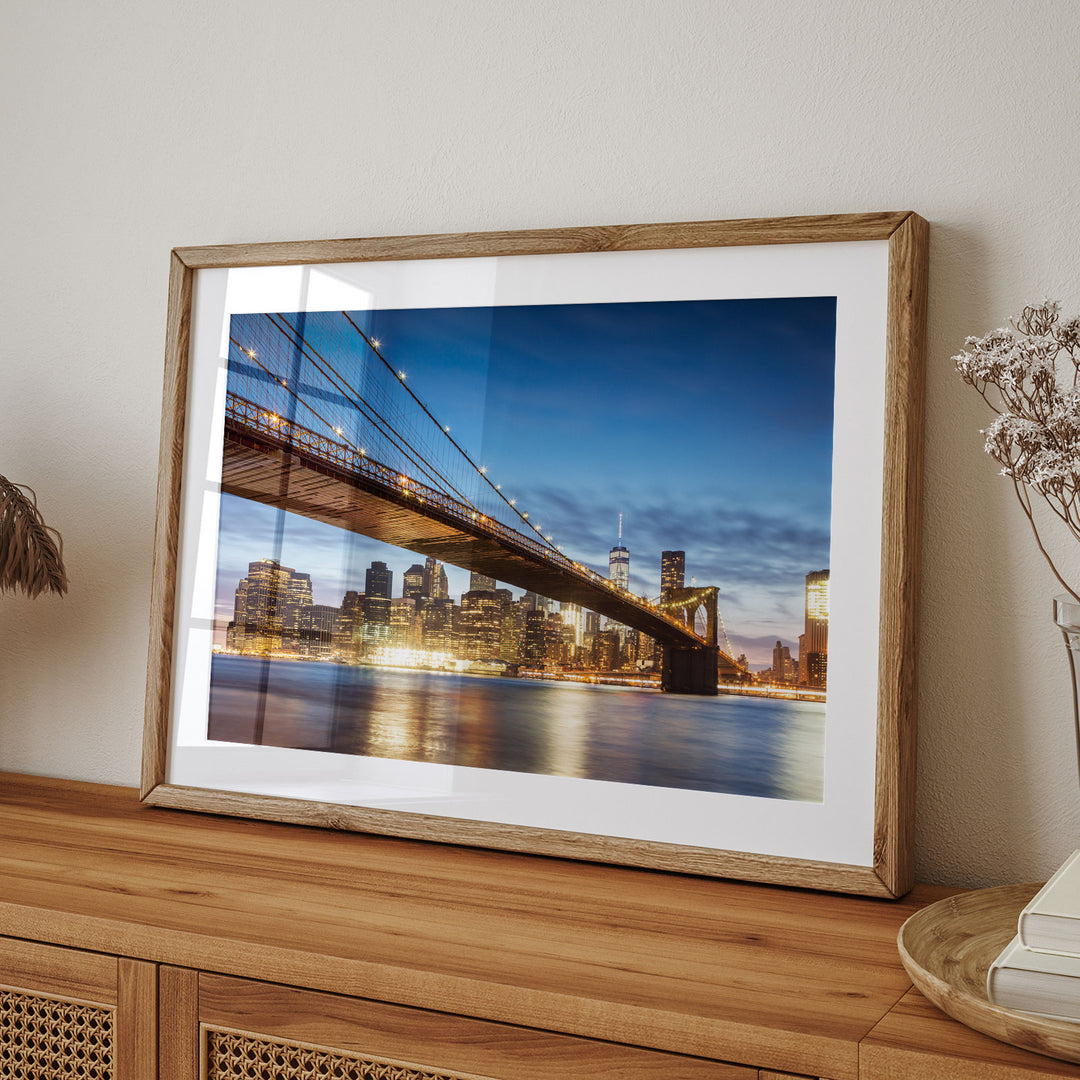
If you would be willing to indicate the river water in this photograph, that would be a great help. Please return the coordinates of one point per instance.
(768, 747)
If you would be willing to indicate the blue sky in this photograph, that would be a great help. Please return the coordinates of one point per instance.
(707, 424)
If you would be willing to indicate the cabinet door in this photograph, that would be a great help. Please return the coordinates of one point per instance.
(69, 1013)
(238, 1029)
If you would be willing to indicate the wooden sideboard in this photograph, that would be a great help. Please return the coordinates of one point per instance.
(142, 942)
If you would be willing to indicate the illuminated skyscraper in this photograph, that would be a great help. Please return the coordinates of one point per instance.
(513, 627)
(272, 610)
(781, 662)
(378, 581)
(555, 643)
(235, 639)
(438, 588)
(324, 619)
(569, 650)
(404, 623)
(378, 586)
(817, 611)
(349, 631)
(480, 582)
(542, 643)
(619, 562)
(437, 625)
(535, 602)
(672, 572)
(605, 652)
(267, 585)
(532, 638)
(573, 616)
(818, 669)
(414, 583)
(480, 634)
(815, 638)
(296, 615)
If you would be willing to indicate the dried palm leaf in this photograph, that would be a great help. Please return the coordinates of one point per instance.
(30, 559)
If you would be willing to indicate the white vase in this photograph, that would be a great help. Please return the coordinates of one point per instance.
(1067, 616)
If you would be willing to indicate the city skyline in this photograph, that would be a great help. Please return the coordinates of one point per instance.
(294, 536)
(706, 424)
(276, 613)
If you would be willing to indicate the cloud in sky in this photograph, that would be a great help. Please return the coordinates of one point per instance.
(757, 556)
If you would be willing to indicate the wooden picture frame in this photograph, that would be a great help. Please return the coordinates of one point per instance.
(892, 245)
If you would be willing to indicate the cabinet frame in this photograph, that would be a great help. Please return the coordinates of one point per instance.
(126, 988)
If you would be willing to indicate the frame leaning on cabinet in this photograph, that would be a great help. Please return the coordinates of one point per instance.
(878, 859)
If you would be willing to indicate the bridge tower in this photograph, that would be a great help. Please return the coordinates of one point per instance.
(684, 604)
(691, 669)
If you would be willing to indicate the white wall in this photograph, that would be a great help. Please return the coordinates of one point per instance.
(131, 127)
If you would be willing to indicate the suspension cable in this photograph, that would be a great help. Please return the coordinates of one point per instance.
(446, 431)
(365, 408)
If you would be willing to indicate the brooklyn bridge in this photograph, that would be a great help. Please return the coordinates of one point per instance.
(319, 423)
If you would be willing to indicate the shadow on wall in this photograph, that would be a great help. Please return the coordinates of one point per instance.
(988, 648)
(67, 660)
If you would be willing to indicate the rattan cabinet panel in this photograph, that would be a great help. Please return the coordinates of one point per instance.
(42, 1037)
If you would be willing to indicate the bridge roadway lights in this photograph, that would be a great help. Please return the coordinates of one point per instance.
(689, 670)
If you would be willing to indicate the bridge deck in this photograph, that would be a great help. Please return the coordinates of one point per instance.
(259, 467)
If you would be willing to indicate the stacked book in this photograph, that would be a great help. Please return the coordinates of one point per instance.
(1039, 970)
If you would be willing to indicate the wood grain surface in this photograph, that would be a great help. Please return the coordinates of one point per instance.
(136, 1020)
(948, 948)
(178, 1023)
(891, 871)
(680, 858)
(917, 1041)
(436, 1040)
(682, 234)
(898, 643)
(167, 526)
(784, 979)
(60, 973)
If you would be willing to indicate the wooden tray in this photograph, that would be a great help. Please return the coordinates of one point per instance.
(947, 949)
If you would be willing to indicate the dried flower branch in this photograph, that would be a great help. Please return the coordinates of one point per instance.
(1028, 375)
(29, 557)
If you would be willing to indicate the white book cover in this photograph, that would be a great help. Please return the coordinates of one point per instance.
(1051, 920)
(1032, 980)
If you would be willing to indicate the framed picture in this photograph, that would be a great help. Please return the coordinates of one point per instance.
(594, 542)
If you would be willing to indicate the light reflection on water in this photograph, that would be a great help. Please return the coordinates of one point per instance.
(740, 745)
